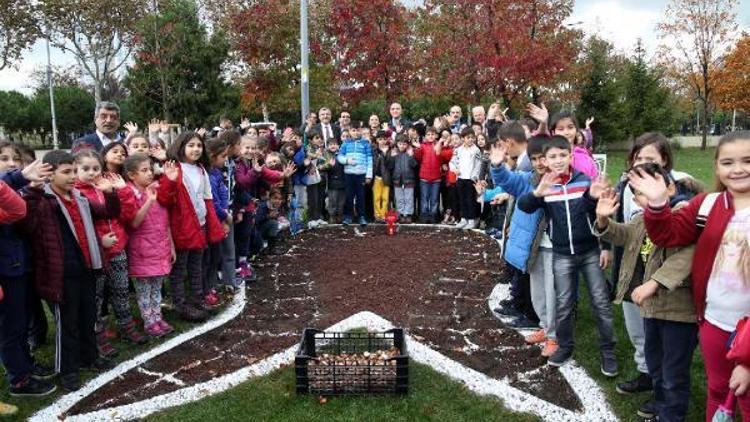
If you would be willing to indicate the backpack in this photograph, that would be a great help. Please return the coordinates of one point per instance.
(706, 206)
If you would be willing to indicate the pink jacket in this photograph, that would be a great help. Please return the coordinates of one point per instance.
(150, 246)
(584, 162)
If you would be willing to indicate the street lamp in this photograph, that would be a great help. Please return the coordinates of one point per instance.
(304, 68)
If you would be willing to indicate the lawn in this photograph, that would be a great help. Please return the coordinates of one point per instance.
(433, 396)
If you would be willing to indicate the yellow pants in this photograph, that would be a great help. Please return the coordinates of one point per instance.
(380, 194)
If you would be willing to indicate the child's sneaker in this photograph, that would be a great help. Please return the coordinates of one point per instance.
(154, 330)
(131, 334)
(165, 328)
(346, 221)
(560, 357)
(470, 224)
(31, 388)
(462, 223)
(312, 224)
(211, 301)
(104, 347)
(322, 222)
(550, 347)
(536, 337)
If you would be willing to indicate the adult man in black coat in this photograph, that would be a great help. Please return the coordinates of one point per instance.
(327, 129)
(107, 121)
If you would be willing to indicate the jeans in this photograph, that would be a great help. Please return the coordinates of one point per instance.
(404, 200)
(669, 353)
(543, 291)
(354, 185)
(565, 268)
(429, 198)
(634, 326)
(336, 200)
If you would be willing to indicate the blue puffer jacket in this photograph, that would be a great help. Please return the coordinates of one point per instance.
(523, 226)
(360, 152)
(14, 250)
(570, 215)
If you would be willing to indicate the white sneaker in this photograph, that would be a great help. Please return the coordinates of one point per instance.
(312, 224)
(470, 225)
(322, 222)
(461, 223)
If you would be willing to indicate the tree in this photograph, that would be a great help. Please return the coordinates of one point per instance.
(695, 33)
(74, 107)
(648, 103)
(602, 89)
(18, 21)
(733, 78)
(177, 73)
(97, 33)
(265, 37)
(475, 48)
(373, 54)
(15, 113)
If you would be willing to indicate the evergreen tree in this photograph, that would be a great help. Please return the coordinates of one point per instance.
(602, 91)
(177, 74)
(649, 104)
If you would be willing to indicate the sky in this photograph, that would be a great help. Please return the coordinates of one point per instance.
(621, 22)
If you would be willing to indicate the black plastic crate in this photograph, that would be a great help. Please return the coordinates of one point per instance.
(347, 363)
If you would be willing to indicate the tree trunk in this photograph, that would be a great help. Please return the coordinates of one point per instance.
(97, 91)
(264, 110)
(704, 128)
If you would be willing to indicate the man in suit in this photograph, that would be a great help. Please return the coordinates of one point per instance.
(107, 121)
(397, 123)
(326, 128)
(454, 119)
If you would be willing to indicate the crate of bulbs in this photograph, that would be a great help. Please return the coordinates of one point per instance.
(352, 363)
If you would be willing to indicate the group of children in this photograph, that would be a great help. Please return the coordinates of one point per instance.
(682, 263)
(83, 227)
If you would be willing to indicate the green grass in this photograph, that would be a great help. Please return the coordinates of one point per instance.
(433, 396)
(272, 398)
(699, 164)
(46, 356)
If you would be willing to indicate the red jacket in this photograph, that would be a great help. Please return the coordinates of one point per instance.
(186, 229)
(430, 162)
(128, 209)
(13, 208)
(679, 229)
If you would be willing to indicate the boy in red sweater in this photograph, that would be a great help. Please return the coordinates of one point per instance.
(431, 157)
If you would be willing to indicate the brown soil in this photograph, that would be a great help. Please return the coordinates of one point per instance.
(434, 282)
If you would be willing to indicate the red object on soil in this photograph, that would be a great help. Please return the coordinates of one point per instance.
(391, 217)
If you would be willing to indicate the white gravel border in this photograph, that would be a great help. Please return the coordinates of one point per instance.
(592, 398)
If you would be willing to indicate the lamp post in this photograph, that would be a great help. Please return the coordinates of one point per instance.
(55, 144)
(304, 68)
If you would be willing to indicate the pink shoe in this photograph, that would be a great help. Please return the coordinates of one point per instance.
(165, 328)
(154, 330)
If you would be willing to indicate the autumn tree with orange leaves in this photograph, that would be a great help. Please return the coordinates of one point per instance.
(733, 78)
(695, 34)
